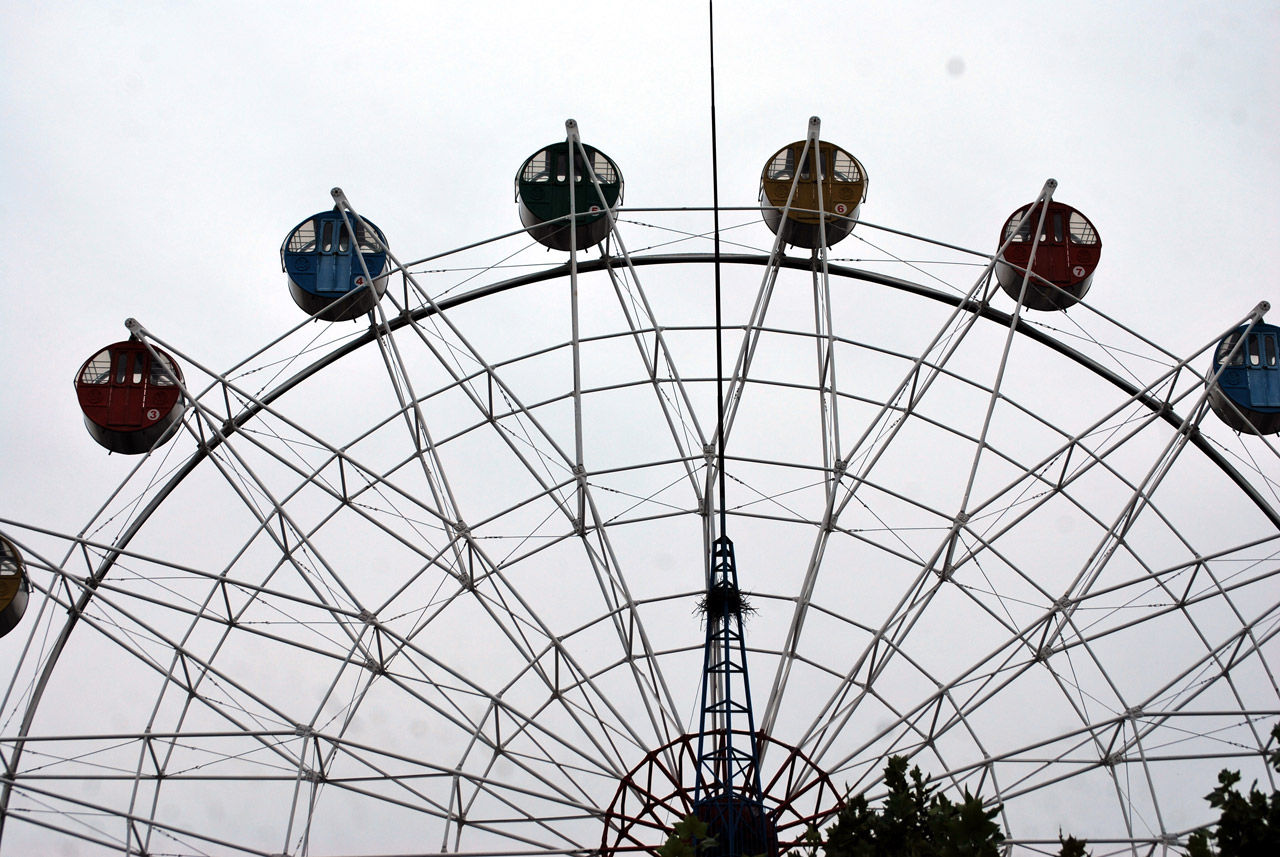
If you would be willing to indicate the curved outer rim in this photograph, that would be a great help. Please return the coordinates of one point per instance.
(797, 263)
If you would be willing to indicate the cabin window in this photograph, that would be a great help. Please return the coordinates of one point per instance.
(538, 168)
(1225, 347)
(1269, 347)
(122, 366)
(303, 239)
(344, 239)
(98, 369)
(159, 377)
(1024, 234)
(844, 168)
(1082, 231)
(326, 237)
(605, 173)
(783, 165)
(367, 240)
(138, 359)
(1057, 227)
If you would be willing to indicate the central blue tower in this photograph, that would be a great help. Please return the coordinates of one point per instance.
(727, 795)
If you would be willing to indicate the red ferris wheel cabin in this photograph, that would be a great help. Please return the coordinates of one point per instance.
(1065, 256)
(129, 398)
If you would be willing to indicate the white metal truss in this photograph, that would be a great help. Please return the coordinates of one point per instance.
(431, 586)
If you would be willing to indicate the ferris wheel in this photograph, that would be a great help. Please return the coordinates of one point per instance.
(446, 567)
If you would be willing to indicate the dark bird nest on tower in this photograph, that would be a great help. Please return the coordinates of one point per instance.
(722, 600)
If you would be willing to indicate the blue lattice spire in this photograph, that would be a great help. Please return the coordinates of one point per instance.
(727, 795)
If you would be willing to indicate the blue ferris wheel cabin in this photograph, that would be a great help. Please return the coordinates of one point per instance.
(326, 277)
(1247, 366)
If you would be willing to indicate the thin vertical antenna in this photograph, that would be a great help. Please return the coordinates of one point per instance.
(715, 208)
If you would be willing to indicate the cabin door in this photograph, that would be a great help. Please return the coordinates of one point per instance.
(1264, 385)
(334, 273)
(1053, 244)
(124, 408)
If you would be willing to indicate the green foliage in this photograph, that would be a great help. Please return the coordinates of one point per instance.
(688, 839)
(1071, 847)
(915, 821)
(1249, 825)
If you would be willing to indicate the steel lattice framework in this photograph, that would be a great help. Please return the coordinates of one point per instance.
(417, 584)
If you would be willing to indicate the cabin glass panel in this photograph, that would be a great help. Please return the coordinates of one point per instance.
(605, 173)
(1082, 231)
(98, 369)
(1224, 349)
(366, 240)
(783, 165)
(537, 169)
(303, 239)
(1024, 234)
(159, 376)
(8, 560)
(844, 167)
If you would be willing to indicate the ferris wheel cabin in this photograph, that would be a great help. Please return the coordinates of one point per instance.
(326, 277)
(543, 189)
(838, 187)
(1065, 256)
(130, 399)
(15, 589)
(1247, 393)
